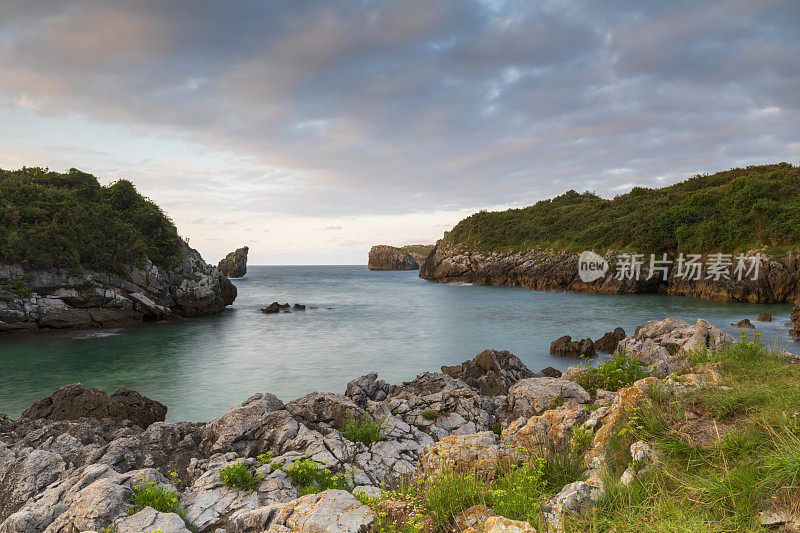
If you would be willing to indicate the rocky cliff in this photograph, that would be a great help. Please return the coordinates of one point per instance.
(63, 469)
(384, 257)
(234, 265)
(777, 281)
(61, 298)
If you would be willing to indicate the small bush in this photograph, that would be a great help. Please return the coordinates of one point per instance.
(613, 374)
(162, 498)
(313, 477)
(18, 287)
(430, 414)
(517, 493)
(193, 277)
(265, 458)
(238, 475)
(366, 429)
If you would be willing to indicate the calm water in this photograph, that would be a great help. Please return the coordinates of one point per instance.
(389, 322)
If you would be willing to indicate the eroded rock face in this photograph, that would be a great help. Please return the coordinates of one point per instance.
(60, 299)
(74, 402)
(533, 396)
(234, 265)
(384, 257)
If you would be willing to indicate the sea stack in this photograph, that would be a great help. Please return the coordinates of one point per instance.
(235, 263)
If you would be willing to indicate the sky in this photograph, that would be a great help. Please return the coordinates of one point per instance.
(310, 131)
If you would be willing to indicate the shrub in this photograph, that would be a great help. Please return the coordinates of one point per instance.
(313, 477)
(517, 493)
(265, 458)
(612, 374)
(366, 429)
(192, 277)
(18, 287)
(239, 475)
(162, 498)
(430, 414)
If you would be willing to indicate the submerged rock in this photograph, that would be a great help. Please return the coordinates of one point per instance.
(234, 265)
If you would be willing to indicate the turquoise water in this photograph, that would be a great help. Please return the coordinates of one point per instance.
(390, 322)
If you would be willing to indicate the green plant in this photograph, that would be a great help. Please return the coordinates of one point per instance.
(430, 414)
(366, 429)
(192, 277)
(18, 287)
(517, 493)
(110, 529)
(238, 475)
(581, 438)
(313, 477)
(620, 371)
(447, 493)
(162, 498)
(265, 458)
(497, 428)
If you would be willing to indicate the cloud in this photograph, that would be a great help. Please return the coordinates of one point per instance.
(332, 228)
(347, 108)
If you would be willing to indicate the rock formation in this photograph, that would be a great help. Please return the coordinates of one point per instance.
(384, 257)
(59, 472)
(608, 342)
(778, 281)
(56, 298)
(566, 347)
(234, 265)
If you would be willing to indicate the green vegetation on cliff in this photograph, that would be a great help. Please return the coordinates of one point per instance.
(729, 211)
(68, 220)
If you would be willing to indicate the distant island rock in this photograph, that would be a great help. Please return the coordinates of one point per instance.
(385, 257)
(235, 263)
(92, 256)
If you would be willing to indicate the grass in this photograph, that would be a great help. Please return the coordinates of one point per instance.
(430, 414)
(731, 211)
(622, 370)
(726, 454)
(162, 498)
(68, 220)
(313, 477)
(366, 429)
(240, 476)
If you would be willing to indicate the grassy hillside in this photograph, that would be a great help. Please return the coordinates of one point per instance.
(729, 211)
(68, 220)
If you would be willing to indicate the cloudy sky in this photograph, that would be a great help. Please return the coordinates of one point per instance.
(311, 130)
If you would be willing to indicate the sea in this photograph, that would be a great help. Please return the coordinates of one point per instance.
(392, 323)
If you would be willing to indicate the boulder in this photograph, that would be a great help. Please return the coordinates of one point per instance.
(274, 307)
(234, 265)
(764, 317)
(330, 511)
(491, 372)
(74, 402)
(477, 452)
(575, 499)
(744, 324)
(608, 342)
(533, 396)
(324, 411)
(148, 520)
(501, 524)
(566, 347)
(367, 387)
(554, 426)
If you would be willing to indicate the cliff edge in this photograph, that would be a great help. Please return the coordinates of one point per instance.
(384, 257)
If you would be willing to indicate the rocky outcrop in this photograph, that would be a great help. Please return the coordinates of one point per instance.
(234, 265)
(490, 372)
(608, 342)
(777, 282)
(384, 257)
(43, 299)
(74, 402)
(566, 347)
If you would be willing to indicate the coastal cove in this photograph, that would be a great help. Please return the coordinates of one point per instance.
(392, 323)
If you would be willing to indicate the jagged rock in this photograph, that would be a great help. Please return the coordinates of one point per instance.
(501, 524)
(550, 372)
(745, 324)
(764, 317)
(384, 257)
(663, 345)
(367, 387)
(491, 372)
(274, 307)
(73, 402)
(234, 265)
(533, 396)
(478, 452)
(554, 426)
(330, 511)
(258, 425)
(576, 499)
(324, 412)
(149, 520)
(608, 342)
(566, 347)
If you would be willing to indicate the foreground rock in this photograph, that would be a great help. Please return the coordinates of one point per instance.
(491, 372)
(74, 402)
(384, 257)
(234, 265)
(44, 299)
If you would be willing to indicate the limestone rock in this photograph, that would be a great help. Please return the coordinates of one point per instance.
(367, 387)
(501, 524)
(73, 402)
(258, 425)
(474, 517)
(149, 520)
(554, 426)
(566, 347)
(330, 511)
(533, 396)
(384, 257)
(491, 372)
(478, 452)
(576, 499)
(324, 412)
(234, 265)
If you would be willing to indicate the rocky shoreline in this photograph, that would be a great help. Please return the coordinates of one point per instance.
(778, 281)
(71, 462)
(58, 298)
